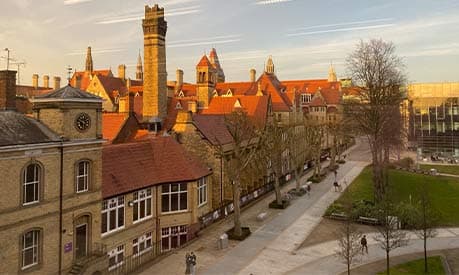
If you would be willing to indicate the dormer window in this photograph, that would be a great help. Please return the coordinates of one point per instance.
(305, 98)
(178, 106)
(229, 93)
(180, 94)
(214, 93)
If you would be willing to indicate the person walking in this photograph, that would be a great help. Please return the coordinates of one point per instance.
(336, 185)
(363, 242)
(193, 263)
(188, 264)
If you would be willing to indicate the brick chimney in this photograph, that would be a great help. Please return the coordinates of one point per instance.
(46, 81)
(57, 82)
(179, 79)
(253, 75)
(35, 81)
(7, 90)
(122, 71)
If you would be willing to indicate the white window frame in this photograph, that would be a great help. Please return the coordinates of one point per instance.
(202, 191)
(142, 240)
(34, 247)
(116, 253)
(36, 181)
(179, 193)
(116, 204)
(85, 176)
(305, 98)
(142, 197)
(173, 231)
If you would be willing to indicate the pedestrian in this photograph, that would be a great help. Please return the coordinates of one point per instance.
(336, 185)
(308, 188)
(188, 264)
(193, 263)
(363, 242)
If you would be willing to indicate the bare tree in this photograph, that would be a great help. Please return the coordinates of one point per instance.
(378, 72)
(348, 238)
(298, 152)
(246, 137)
(426, 220)
(389, 236)
(314, 136)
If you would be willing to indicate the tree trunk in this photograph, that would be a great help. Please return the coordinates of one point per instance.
(237, 208)
(277, 190)
(333, 153)
(387, 262)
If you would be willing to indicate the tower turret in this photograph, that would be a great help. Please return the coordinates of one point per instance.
(213, 58)
(269, 66)
(155, 74)
(139, 68)
(89, 66)
(332, 74)
(205, 79)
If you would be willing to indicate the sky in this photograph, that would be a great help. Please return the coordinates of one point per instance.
(303, 36)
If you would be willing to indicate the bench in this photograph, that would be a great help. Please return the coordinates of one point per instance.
(338, 216)
(367, 220)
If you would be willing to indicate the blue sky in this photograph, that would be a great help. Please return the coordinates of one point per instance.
(303, 36)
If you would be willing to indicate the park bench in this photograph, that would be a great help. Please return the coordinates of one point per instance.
(367, 220)
(338, 216)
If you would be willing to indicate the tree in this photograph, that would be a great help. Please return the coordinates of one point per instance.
(246, 138)
(389, 236)
(314, 137)
(348, 238)
(375, 112)
(426, 220)
(298, 153)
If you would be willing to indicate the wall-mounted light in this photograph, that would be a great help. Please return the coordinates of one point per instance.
(130, 203)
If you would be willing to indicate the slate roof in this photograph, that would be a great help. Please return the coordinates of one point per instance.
(68, 92)
(18, 129)
(133, 166)
(213, 128)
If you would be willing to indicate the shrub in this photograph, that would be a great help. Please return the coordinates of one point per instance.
(334, 208)
(363, 208)
(406, 213)
(406, 162)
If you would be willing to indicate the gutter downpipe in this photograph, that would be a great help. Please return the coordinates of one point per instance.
(60, 204)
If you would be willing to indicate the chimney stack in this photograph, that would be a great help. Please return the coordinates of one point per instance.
(35, 81)
(57, 82)
(78, 82)
(122, 71)
(7, 90)
(179, 79)
(131, 97)
(46, 81)
(253, 75)
(192, 106)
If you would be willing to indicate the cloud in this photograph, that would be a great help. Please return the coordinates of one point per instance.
(342, 30)
(213, 42)
(270, 2)
(172, 42)
(98, 51)
(344, 24)
(74, 2)
(139, 16)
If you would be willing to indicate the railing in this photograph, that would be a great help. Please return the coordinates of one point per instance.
(134, 262)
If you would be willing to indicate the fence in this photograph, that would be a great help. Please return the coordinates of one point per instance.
(133, 262)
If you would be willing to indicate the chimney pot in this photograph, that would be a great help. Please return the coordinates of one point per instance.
(35, 81)
(57, 82)
(253, 75)
(46, 81)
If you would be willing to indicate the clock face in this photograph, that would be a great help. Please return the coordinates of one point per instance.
(82, 122)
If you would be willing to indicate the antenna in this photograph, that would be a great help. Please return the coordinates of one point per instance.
(19, 64)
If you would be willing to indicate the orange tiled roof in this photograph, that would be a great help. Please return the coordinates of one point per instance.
(113, 86)
(112, 124)
(132, 166)
(87, 76)
(204, 62)
(172, 110)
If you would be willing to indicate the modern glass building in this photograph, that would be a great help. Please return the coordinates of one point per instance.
(433, 126)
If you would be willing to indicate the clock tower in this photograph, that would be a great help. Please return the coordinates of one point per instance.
(71, 113)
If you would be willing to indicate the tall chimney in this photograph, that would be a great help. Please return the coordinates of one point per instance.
(78, 82)
(122, 71)
(35, 81)
(46, 81)
(253, 75)
(7, 90)
(57, 82)
(179, 79)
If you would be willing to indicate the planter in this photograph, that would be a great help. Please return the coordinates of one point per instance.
(245, 233)
(274, 204)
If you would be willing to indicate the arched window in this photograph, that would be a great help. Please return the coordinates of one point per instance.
(82, 176)
(31, 184)
(30, 248)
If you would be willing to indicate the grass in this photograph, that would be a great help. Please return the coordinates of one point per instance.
(435, 266)
(443, 191)
(447, 169)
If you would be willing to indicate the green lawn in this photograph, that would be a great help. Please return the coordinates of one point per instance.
(417, 267)
(443, 191)
(447, 169)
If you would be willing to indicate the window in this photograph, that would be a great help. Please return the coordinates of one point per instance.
(305, 98)
(82, 176)
(30, 248)
(202, 191)
(31, 184)
(112, 214)
(174, 197)
(116, 257)
(173, 237)
(142, 205)
(141, 244)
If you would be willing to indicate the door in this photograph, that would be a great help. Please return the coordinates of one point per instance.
(81, 246)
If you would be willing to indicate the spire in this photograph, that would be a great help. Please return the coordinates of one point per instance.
(269, 66)
(213, 58)
(89, 67)
(139, 70)
(332, 74)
